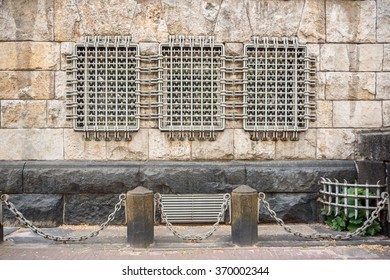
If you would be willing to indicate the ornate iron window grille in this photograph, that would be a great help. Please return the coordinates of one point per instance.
(105, 87)
(277, 88)
(192, 87)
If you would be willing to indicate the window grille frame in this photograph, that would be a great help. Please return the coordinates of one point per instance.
(191, 45)
(111, 102)
(296, 115)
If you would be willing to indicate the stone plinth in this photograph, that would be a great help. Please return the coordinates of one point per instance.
(140, 217)
(244, 216)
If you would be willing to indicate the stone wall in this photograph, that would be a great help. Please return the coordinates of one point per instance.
(55, 175)
(350, 39)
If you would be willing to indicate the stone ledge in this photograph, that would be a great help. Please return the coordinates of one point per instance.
(65, 177)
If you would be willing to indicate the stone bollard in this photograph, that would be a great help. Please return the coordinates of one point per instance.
(1, 222)
(140, 217)
(244, 216)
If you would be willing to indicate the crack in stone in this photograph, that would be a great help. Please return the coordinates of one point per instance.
(217, 16)
(300, 20)
(248, 17)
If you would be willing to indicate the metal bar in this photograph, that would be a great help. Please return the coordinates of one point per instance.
(192, 208)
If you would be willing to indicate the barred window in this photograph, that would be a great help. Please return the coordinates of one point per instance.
(277, 85)
(192, 86)
(105, 91)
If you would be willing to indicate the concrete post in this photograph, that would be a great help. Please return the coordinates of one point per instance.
(1, 222)
(244, 216)
(140, 217)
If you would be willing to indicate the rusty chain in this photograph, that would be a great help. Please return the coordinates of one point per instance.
(4, 200)
(195, 237)
(374, 215)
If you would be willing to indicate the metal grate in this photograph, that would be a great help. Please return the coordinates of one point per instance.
(193, 208)
(341, 196)
(191, 86)
(105, 87)
(277, 88)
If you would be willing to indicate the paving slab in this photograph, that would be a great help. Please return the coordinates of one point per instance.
(274, 244)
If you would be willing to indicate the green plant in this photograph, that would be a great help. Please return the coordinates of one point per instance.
(348, 221)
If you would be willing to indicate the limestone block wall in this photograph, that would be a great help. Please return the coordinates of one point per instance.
(350, 40)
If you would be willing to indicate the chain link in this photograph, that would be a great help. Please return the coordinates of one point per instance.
(4, 200)
(374, 215)
(196, 237)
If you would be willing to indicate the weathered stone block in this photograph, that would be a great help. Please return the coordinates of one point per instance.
(355, 114)
(383, 85)
(374, 145)
(220, 149)
(80, 177)
(60, 78)
(150, 48)
(161, 148)
(56, 114)
(23, 114)
(232, 13)
(234, 48)
(383, 20)
(305, 148)
(293, 208)
(320, 86)
(91, 209)
(245, 148)
(386, 113)
(324, 113)
(340, 85)
(27, 20)
(77, 148)
(149, 23)
(369, 57)
(29, 56)
(295, 176)
(308, 18)
(350, 21)
(165, 177)
(343, 57)
(136, 149)
(371, 172)
(215, 178)
(11, 177)
(74, 19)
(67, 48)
(191, 17)
(386, 58)
(335, 144)
(26, 84)
(312, 24)
(31, 144)
(42, 209)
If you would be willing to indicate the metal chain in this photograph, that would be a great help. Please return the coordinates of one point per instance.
(196, 237)
(374, 215)
(29, 224)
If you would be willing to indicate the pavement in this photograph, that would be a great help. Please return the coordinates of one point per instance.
(273, 244)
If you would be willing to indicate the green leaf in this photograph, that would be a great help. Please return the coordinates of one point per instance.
(358, 221)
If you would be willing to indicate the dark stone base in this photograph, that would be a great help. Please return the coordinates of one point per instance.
(44, 210)
(53, 193)
(374, 145)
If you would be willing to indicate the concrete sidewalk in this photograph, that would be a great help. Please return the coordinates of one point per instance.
(273, 244)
